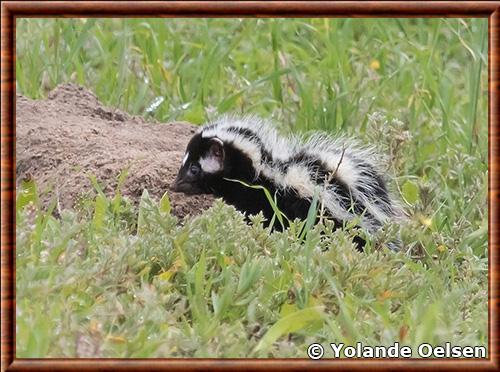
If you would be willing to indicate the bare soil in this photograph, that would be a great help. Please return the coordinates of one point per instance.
(62, 140)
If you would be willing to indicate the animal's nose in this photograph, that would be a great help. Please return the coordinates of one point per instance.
(174, 185)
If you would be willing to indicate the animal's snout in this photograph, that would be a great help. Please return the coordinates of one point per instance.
(174, 186)
(180, 184)
(185, 186)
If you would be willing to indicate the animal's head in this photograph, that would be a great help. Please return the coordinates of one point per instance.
(202, 163)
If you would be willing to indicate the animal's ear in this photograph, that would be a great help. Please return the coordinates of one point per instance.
(213, 161)
(216, 149)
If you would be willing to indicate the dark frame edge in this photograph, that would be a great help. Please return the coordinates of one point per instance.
(7, 190)
(46, 365)
(254, 8)
(494, 183)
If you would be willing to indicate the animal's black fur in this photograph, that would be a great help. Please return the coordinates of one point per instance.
(238, 166)
(246, 150)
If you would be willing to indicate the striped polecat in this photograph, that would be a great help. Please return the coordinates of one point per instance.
(345, 176)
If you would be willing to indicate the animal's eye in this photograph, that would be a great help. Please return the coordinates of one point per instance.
(194, 169)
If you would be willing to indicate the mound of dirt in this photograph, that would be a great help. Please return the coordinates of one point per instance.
(62, 140)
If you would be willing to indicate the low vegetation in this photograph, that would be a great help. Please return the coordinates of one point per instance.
(114, 284)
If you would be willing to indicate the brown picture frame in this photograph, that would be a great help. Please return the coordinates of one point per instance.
(10, 10)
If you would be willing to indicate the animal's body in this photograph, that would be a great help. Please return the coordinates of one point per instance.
(345, 176)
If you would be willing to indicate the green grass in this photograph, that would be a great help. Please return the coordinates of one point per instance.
(113, 280)
(217, 287)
